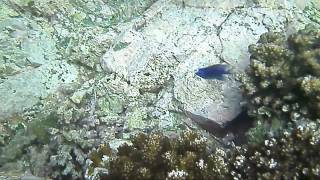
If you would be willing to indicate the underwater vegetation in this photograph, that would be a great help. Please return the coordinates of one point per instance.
(293, 154)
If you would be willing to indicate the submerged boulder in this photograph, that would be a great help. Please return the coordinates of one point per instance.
(174, 40)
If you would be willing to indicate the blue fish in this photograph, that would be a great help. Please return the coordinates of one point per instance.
(214, 72)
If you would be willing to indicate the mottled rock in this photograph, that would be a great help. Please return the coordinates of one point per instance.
(163, 55)
(150, 62)
(135, 119)
(24, 90)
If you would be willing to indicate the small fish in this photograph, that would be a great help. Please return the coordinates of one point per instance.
(214, 72)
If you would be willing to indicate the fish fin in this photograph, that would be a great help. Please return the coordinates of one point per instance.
(221, 78)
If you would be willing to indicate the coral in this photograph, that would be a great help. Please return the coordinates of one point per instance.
(156, 156)
(67, 162)
(283, 93)
(38, 159)
(49, 139)
(4, 135)
(39, 127)
(292, 154)
(283, 76)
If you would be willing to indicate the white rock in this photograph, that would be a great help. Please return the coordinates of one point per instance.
(176, 40)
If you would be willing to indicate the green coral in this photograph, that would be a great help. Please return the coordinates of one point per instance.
(156, 156)
(39, 127)
(111, 103)
(283, 76)
(135, 119)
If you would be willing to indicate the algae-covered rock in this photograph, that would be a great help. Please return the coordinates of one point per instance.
(135, 119)
(163, 54)
(27, 88)
(313, 11)
(15, 148)
(29, 65)
(43, 41)
(24, 43)
(111, 103)
(80, 27)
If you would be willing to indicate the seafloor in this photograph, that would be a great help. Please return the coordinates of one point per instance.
(77, 74)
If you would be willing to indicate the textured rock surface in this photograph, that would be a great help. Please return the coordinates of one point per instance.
(45, 46)
(51, 70)
(49, 63)
(177, 39)
(26, 89)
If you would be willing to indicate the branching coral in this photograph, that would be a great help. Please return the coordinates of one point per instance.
(293, 154)
(283, 93)
(158, 157)
(283, 77)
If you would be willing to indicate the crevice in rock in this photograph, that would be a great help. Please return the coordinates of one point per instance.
(219, 29)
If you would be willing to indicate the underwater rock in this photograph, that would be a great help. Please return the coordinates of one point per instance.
(217, 4)
(30, 68)
(150, 61)
(61, 35)
(24, 90)
(135, 119)
(312, 11)
(163, 54)
(24, 46)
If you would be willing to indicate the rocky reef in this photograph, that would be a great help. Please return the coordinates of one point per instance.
(50, 44)
(81, 80)
(288, 149)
